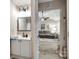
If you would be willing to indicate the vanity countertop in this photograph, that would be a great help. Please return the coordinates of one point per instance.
(23, 38)
(20, 38)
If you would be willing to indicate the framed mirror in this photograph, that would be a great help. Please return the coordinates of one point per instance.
(24, 24)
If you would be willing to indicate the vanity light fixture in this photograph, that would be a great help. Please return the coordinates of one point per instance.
(24, 11)
(24, 8)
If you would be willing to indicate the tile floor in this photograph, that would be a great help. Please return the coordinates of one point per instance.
(50, 56)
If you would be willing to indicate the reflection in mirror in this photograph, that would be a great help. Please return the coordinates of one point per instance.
(24, 23)
(50, 24)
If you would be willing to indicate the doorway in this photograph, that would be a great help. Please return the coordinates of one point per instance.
(52, 29)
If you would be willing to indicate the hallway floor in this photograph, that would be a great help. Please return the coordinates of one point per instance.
(50, 56)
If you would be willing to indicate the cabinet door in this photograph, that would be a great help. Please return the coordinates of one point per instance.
(15, 47)
(25, 48)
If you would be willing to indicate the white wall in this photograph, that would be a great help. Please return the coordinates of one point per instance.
(14, 14)
(13, 19)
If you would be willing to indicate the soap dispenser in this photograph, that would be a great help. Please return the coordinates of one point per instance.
(23, 35)
(26, 35)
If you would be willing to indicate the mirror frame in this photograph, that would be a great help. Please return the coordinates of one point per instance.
(19, 26)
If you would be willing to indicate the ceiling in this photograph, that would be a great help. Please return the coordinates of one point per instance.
(25, 2)
(21, 2)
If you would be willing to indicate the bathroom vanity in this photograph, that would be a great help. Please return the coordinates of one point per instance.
(21, 47)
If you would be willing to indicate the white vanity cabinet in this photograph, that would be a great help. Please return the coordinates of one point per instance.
(15, 47)
(21, 47)
(26, 48)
